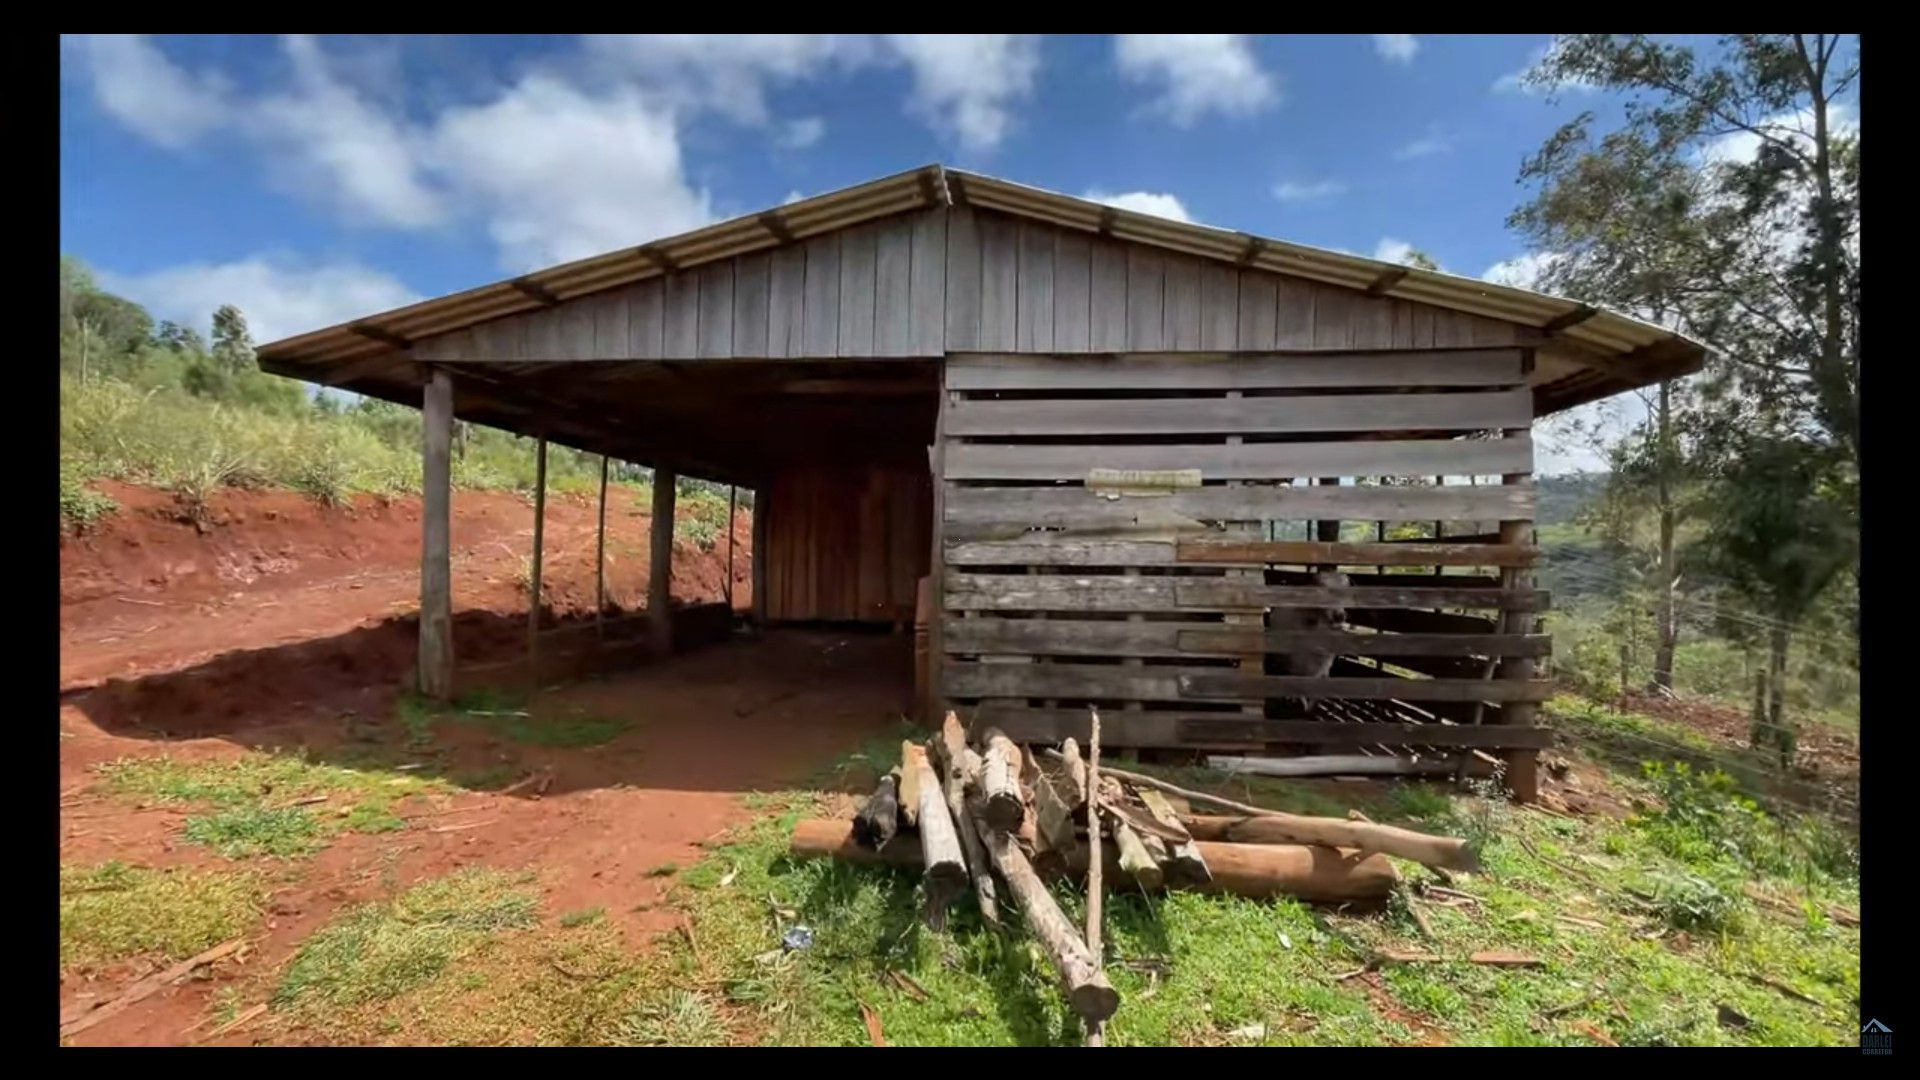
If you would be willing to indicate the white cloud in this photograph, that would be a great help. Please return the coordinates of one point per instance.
(728, 73)
(135, 83)
(325, 140)
(967, 85)
(1521, 271)
(519, 161)
(1156, 203)
(1796, 127)
(800, 134)
(1296, 191)
(1432, 141)
(1515, 82)
(1393, 250)
(1197, 74)
(279, 297)
(793, 196)
(1396, 48)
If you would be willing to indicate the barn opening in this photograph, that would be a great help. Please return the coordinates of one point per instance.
(1241, 494)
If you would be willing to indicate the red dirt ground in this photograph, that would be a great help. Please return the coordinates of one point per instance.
(287, 624)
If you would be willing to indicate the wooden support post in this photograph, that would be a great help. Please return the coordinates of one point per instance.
(435, 674)
(600, 558)
(944, 866)
(1523, 766)
(660, 568)
(539, 553)
(733, 501)
(762, 505)
(936, 701)
(1084, 777)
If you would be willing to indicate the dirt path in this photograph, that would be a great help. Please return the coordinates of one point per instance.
(284, 624)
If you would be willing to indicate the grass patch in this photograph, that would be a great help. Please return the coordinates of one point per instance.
(505, 716)
(112, 911)
(583, 917)
(269, 803)
(375, 952)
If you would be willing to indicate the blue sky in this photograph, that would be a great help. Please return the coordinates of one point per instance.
(311, 180)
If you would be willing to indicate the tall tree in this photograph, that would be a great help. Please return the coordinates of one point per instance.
(232, 344)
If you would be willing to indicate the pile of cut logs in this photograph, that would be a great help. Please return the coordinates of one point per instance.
(996, 813)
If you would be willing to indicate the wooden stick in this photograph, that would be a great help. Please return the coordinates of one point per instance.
(912, 757)
(1080, 775)
(1136, 861)
(879, 818)
(944, 871)
(539, 555)
(1076, 774)
(600, 558)
(1003, 810)
(1331, 765)
(75, 1023)
(954, 766)
(1184, 864)
(1279, 827)
(1087, 988)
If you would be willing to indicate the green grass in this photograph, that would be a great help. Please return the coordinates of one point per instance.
(269, 803)
(507, 716)
(376, 952)
(112, 911)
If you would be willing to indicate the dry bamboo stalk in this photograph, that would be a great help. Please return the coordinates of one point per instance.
(955, 768)
(1081, 777)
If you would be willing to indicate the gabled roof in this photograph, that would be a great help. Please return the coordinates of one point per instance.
(1616, 352)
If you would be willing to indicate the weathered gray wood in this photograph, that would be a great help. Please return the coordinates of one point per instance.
(857, 291)
(1240, 371)
(535, 591)
(968, 591)
(1075, 637)
(929, 290)
(1077, 682)
(716, 310)
(1219, 306)
(893, 288)
(1001, 806)
(1040, 551)
(1156, 728)
(646, 320)
(1257, 299)
(435, 667)
(999, 281)
(1033, 331)
(1293, 313)
(1182, 311)
(1246, 415)
(1072, 293)
(1331, 765)
(1334, 310)
(762, 497)
(660, 564)
(600, 556)
(786, 302)
(1107, 297)
(944, 866)
(1247, 461)
(751, 282)
(1236, 685)
(610, 313)
(977, 513)
(1136, 860)
(1087, 989)
(963, 279)
(950, 750)
(1356, 554)
(1184, 864)
(1210, 641)
(821, 336)
(681, 303)
(1146, 299)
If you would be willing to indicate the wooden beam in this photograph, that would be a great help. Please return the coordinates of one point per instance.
(1387, 280)
(539, 554)
(655, 255)
(660, 567)
(776, 225)
(761, 501)
(1560, 323)
(600, 557)
(1254, 246)
(435, 669)
(1308, 552)
(384, 337)
(535, 290)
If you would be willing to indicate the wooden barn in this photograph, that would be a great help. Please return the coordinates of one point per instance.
(1241, 494)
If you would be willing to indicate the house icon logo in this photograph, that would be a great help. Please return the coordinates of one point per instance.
(1876, 1038)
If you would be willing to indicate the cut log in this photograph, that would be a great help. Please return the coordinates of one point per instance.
(1076, 774)
(879, 818)
(945, 867)
(912, 756)
(1135, 860)
(1088, 991)
(956, 765)
(1003, 809)
(1096, 1034)
(1054, 822)
(1184, 864)
(1281, 827)
(1446, 852)
(1311, 873)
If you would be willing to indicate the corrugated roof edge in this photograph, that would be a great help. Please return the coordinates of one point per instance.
(1647, 352)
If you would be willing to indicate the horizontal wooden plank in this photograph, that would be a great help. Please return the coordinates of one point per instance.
(1239, 371)
(1071, 637)
(1074, 682)
(967, 591)
(1222, 593)
(1356, 554)
(1248, 461)
(982, 513)
(1199, 729)
(1210, 686)
(1244, 415)
(1212, 640)
(1043, 552)
(1416, 621)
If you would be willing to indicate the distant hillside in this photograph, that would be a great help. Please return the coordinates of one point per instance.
(1562, 498)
